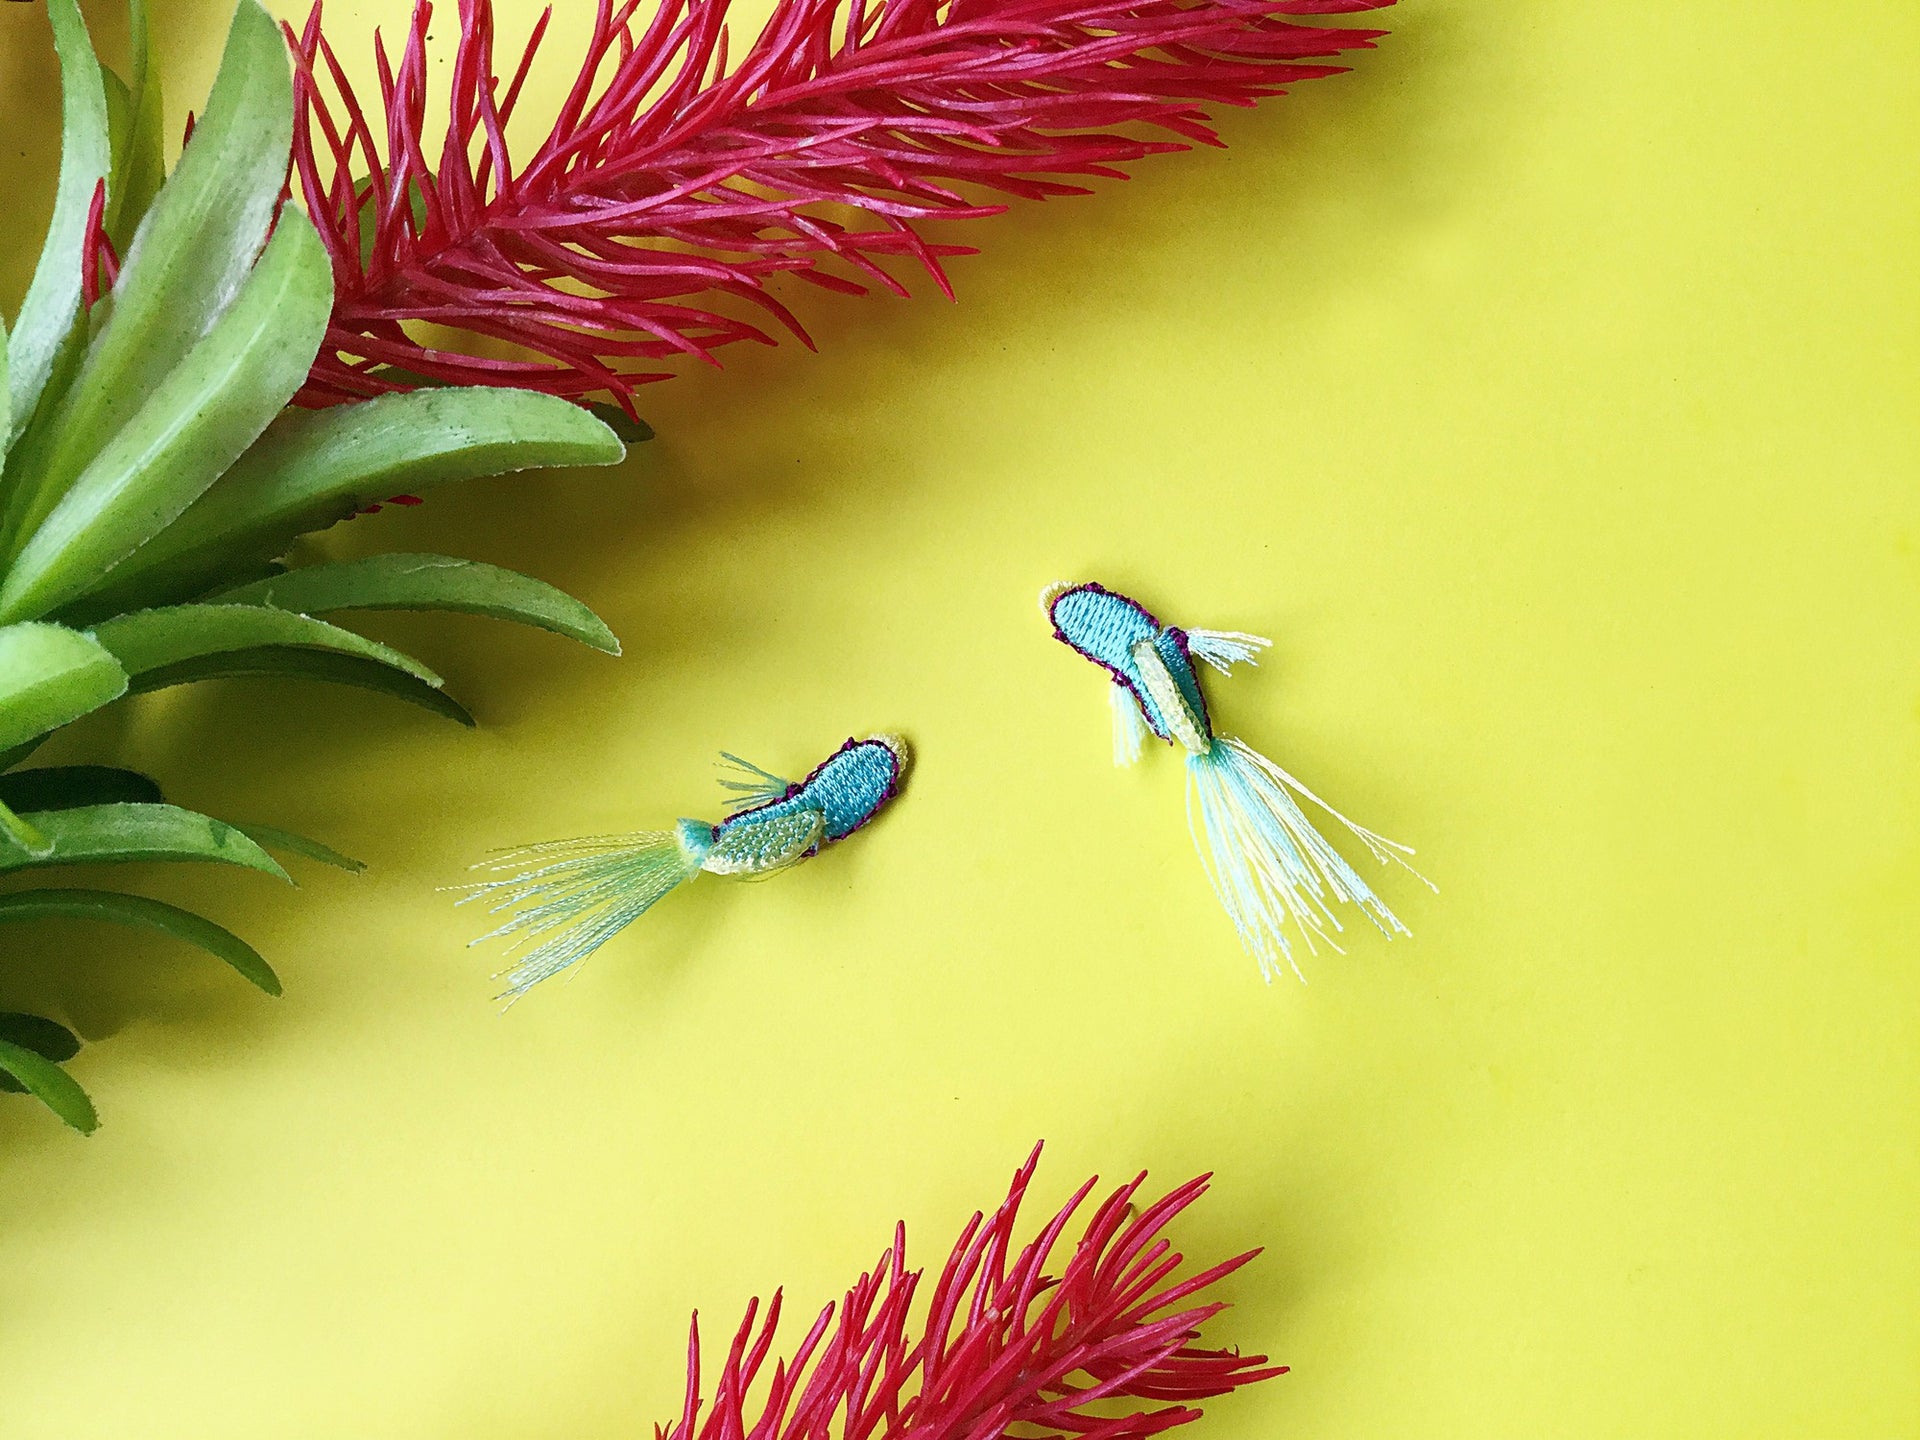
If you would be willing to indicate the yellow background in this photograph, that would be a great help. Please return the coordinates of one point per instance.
(1547, 388)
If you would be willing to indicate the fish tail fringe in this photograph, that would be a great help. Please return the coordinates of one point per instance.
(567, 898)
(1268, 864)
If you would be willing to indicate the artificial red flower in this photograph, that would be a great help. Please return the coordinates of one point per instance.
(673, 182)
(1104, 1350)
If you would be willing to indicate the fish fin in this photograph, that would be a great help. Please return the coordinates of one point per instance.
(753, 786)
(755, 848)
(1224, 649)
(1157, 680)
(1129, 725)
(567, 898)
(1268, 863)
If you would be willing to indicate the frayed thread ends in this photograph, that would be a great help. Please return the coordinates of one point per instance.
(567, 898)
(1129, 726)
(1268, 863)
(1224, 649)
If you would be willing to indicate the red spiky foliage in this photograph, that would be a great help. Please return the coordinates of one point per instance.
(671, 187)
(1105, 1349)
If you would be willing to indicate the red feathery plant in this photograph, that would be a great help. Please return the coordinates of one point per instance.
(671, 183)
(1103, 1350)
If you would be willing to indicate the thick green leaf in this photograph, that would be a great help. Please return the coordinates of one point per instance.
(187, 263)
(197, 421)
(139, 162)
(119, 128)
(136, 911)
(429, 582)
(315, 467)
(24, 834)
(52, 304)
(62, 787)
(50, 1085)
(49, 677)
(271, 837)
(329, 666)
(155, 639)
(630, 428)
(98, 834)
(46, 1038)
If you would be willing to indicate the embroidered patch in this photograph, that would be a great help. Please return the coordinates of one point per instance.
(1109, 630)
(848, 788)
(1269, 866)
(567, 898)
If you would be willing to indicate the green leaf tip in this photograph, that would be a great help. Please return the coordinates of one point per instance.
(34, 1073)
(51, 309)
(137, 912)
(271, 837)
(429, 582)
(150, 640)
(114, 834)
(313, 468)
(50, 676)
(281, 661)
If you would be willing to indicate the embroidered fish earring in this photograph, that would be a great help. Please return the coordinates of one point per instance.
(567, 898)
(1267, 862)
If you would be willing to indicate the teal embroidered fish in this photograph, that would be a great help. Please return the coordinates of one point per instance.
(567, 898)
(1267, 863)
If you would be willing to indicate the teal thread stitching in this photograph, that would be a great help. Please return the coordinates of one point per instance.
(1106, 628)
(567, 898)
(1269, 866)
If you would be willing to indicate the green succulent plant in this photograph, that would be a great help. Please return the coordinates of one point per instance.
(153, 481)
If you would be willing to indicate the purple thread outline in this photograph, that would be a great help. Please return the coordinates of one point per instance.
(1173, 632)
(895, 773)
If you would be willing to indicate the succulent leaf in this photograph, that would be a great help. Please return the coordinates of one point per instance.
(148, 640)
(271, 837)
(196, 422)
(429, 582)
(324, 665)
(35, 1073)
(47, 1038)
(139, 159)
(136, 911)
(50, 676)
(314, 468)
(52, 303)
(186, 265)
(102, 834)
(24, 834)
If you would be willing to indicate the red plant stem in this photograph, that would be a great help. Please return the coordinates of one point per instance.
(674, 182)
(99, 263)
(1104, 1348)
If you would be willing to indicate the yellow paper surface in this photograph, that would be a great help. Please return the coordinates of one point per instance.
(1546, 389)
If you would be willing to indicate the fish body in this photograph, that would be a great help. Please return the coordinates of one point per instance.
(842, 793)
(1150, 661)
(567, 898)
(1269, 865)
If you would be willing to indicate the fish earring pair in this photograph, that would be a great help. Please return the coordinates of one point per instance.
(1268, 864)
